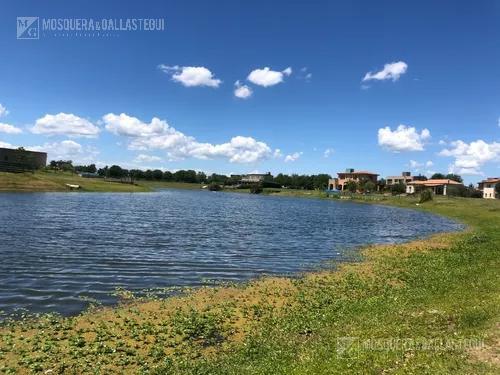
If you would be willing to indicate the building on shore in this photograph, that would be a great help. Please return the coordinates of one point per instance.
(438, 186)
(20, 160)
(404, 179)
(488, 186)
(351, 175)
(255, 178)
(89, 175)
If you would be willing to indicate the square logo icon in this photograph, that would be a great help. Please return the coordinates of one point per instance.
(28, 28)
(347, 347)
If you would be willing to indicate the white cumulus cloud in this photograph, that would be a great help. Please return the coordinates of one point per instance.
(242, 91)
(6, 145)
(133, 127)
(470, 157)
(391, 71)
(159, 135)
(328, 152)
(416, 165)
(67, 150)
(403, 138)
(191, 76)
(266, 77)
(143, 158)
(3, 110)
(293, 157)
(9, 129)
(65, 124)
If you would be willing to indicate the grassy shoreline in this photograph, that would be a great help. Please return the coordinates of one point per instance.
(434, 295)
(50, 181)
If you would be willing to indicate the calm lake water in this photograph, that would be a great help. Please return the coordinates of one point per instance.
(57, 248)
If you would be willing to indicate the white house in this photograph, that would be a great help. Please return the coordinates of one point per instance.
(488, 187)
(255, 177)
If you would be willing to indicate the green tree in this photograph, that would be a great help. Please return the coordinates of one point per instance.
(351, 186)
(201, 177)
(101, 171)
(86, 168)
(185, 176)
(425, 195)
(369, 187)
(457, 191)
(168, 176)
(320, 181)
(382, 184)
(398, 188)
(454, 177)
(157, 174)
(214, 187)
(283, 180)
(438, 176)
(62, 165)
(256, 189)
(218, 179)
(497, 188)
(115, 171)
(136, 174)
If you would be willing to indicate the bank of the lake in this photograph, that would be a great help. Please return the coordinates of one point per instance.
(439, 297)
(54, 181)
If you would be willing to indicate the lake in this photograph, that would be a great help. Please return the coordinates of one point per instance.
(58, 249)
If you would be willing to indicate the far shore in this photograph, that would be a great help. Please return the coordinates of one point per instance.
(50, 181)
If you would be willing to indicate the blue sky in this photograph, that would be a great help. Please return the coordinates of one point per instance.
(384, 86)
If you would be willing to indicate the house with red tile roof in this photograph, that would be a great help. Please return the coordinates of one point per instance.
(488, 187)
(439, 186)
(351, 175)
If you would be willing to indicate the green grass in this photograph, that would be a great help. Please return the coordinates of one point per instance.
(435, 296)
(45, 181)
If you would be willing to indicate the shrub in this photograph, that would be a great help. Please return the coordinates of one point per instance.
(463, 191)
(214, 187)
(255, 189)
(398, 188)
(369, 187)
(425, 195)
(199, 325)
(351, 186)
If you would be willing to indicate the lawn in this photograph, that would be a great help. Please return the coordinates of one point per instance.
(43, 181)
(430, 306)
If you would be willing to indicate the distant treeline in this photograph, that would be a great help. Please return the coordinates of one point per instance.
(294, 181)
